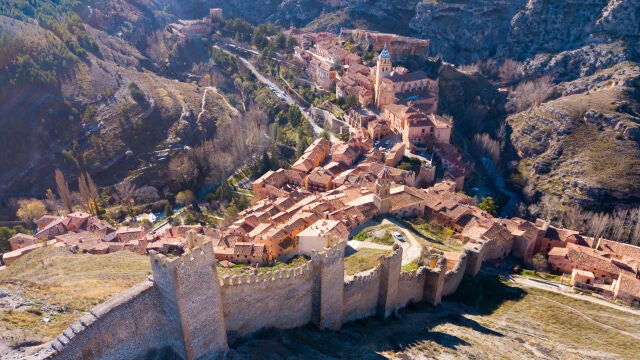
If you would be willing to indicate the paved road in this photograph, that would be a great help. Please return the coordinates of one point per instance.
(288, 99)
(412, 248)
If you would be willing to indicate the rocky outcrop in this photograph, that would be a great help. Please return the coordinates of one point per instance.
(582, 147)
(464, 31)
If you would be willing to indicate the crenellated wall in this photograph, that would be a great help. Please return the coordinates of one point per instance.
(453, 277)
(361, 294)
(187, 308)
(281, 299)
(191, 291)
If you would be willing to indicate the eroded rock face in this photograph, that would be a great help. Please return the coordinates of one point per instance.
(569, 38)
(465, 31)
(582, 147)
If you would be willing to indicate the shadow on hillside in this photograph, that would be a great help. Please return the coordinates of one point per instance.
(367, 338)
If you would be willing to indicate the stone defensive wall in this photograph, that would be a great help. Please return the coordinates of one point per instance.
(453, 277)
(185, 307)
(280, 299)
(124, 325)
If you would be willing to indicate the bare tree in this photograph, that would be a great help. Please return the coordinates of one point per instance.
(619, 229)
(146, 194)
(598, 225)
(635, 233)
(124, 192)
(530, 93)
(89, 194)
(487, 146)
(63, 190)
(156, 48)
(183, 169)
(94, 195)
(244, 93)
(510, 72)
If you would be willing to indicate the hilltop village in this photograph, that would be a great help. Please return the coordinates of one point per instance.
(332, 190)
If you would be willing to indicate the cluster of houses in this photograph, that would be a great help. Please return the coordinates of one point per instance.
(393, 100)
(605, 266)
(82, 232)
(291, 215)
(294, 213)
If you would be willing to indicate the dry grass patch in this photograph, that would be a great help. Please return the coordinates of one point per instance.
(363, 259)
(242, 269)
(51, 287)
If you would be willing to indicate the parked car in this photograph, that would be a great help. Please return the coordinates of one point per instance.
(398, 236)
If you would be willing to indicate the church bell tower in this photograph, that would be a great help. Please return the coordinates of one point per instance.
(382, 197)
(383, 68)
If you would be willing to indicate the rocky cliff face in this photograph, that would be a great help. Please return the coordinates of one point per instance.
(582, 147)
(469, 30)
(581, 36)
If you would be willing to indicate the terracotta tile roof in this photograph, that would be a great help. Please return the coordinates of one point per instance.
(73, 239)
(620, 249)
(558, 251)
(335, 168)
(629, 285)
(46, 219)
(590, 258)
(319, 176)
(243, 249)
(23, 239)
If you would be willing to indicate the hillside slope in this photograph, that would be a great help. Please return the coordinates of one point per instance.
(583, 147)
(81, 98)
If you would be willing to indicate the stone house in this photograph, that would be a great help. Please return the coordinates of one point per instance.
(20, 241)
(318, 180)
(313, 156)
(395, 154)
(45, 220)
(321, 234)
(345, 152)
(249, 253)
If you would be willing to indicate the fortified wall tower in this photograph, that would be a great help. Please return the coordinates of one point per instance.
(191, 298)
(329, 287)
(185, 306)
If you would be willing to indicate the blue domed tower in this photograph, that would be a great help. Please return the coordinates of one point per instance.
(383, 68)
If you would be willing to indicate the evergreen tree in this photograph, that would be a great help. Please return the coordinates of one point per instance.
(168, 210)
(488, 205)
(265, 163)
